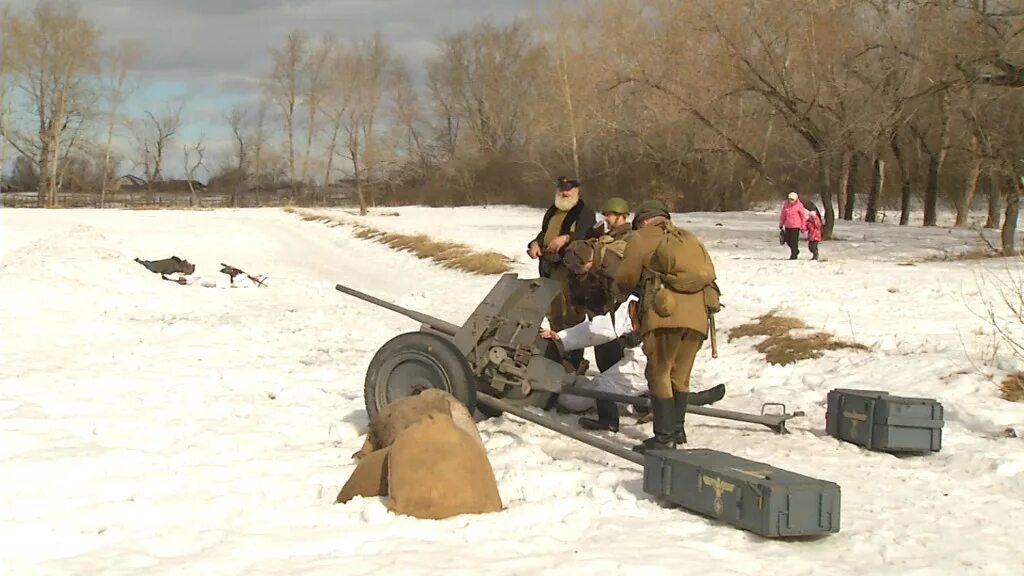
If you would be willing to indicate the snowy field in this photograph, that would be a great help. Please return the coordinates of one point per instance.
(152, 428)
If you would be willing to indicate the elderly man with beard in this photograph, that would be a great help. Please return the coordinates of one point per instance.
(567, 219)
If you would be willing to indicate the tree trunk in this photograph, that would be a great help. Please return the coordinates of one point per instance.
(55, 131)
(826, 196)
(567, 94)
(291, 154)
(1010, 221)
(3, 120)
(43, 182)
(844, 177)
(993, 203)
(905, 196)
(354, 150)
(851, 187)
(877, 185)
(105, 180)
(904, 171)
(963, 208)
(936, 160)
(931, 191)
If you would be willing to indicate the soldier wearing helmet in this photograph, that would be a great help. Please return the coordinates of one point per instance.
(672, 272)
(616, 219)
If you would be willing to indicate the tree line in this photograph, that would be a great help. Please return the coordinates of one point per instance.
(869, 105)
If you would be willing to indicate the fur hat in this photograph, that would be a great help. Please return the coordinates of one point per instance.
(576, 255)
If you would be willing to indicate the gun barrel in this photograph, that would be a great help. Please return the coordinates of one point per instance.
(435, 323)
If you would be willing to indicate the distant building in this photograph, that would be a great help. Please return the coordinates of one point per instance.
(129, 183)
(178, 186)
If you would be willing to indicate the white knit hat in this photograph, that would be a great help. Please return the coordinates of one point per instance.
(792, 196)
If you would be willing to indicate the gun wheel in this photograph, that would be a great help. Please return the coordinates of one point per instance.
(413, 362)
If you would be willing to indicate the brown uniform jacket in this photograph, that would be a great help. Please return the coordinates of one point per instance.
(694, 270)
(596, 292)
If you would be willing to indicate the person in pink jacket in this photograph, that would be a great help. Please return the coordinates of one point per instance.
(813, 228)
(792, 220)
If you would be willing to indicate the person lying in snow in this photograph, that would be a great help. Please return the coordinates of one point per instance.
(172, 265)
(236, 279)
(627, 377)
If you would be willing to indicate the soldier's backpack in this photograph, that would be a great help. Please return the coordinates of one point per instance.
(606, 243)
(676, 277)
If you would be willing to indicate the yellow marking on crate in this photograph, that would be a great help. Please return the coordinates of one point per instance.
(720, 487)
(762, 474)
(854, 418)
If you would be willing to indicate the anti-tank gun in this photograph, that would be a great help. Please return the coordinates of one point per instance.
(496, 359)
(498, 350)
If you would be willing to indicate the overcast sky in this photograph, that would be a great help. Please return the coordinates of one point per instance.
(212, 51)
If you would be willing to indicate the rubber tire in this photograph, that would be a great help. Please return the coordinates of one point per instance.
(432, 359)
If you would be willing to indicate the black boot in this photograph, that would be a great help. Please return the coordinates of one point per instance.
(680, 400)
(705, 397)
(607, 417)
(664, 426)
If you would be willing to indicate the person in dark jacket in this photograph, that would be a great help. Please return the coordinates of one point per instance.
(567, 219)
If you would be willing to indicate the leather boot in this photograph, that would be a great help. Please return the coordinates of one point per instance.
(705, 397)
(680, 400)
(664, 426)
(607, 417)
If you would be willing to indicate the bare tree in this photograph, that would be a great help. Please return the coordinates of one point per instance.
(314, 75)
(561, 30)
(190, 167)
(260, 136)
(364, 71)
(52, 53)
(487, 75)
(5, 64)
(236, 120)
(335, 103)
(118, 63)
(284, 88)
(156, 136)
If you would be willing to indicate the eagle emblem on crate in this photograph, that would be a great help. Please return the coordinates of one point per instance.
(720, 487)
(877, 420)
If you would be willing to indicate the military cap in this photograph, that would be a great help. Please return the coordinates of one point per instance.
(567, 183)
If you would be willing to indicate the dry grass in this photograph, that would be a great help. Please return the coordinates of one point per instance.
(768, 324)
(1012, 387)
(781, 347)
(447, 254)
(963, 256)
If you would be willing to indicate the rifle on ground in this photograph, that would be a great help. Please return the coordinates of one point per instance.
(231, 271)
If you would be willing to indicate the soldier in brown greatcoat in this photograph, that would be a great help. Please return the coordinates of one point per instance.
(673, 274)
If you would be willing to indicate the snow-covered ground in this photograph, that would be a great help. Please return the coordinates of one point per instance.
(148, 427)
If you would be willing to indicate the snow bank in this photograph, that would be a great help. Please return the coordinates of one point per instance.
(151, 427)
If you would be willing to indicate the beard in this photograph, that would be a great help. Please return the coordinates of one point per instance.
(566, 204)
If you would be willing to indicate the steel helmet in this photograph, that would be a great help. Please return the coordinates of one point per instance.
(615, 205)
